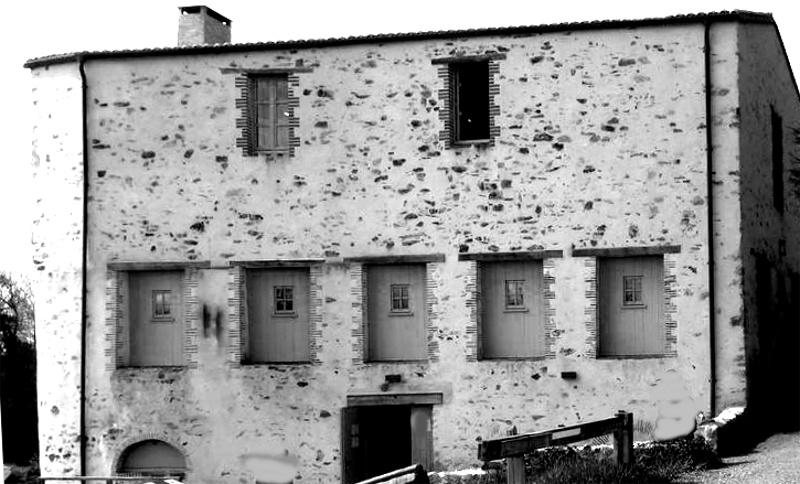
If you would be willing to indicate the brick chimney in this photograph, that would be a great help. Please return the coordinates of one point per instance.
(201, 25)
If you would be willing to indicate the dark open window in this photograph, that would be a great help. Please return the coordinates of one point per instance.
(470, 107)
(777, 161)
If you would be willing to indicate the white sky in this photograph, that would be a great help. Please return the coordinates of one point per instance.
(34, 28)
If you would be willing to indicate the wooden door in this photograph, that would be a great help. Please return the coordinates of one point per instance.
(352, 448)
(278, 309)
(513, 315)
(156, 318)
(422, 436)
(631, 300)
(396, 312)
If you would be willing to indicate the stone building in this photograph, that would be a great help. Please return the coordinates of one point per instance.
(346, 255)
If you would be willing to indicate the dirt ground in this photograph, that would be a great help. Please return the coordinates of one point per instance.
(774, 461)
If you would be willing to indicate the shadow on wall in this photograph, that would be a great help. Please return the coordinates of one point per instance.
(773, 373)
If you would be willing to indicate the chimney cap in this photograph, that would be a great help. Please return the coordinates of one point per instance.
(211, 13)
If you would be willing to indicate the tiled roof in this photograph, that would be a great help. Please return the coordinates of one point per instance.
(735, 15)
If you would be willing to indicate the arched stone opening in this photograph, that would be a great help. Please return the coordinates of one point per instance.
(152, 458)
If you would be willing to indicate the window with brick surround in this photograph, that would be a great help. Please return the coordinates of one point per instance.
(152, 313)
(278, 310)
(272, 113)
(267, 104)
(468, 97)
(470, 100)
(512, 301)
(631, 306)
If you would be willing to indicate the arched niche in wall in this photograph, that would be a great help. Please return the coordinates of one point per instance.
(152, 458)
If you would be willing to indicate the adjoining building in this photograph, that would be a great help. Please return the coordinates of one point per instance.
(347, 255)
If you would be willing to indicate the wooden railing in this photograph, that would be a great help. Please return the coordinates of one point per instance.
(513, 449)
(412, 474)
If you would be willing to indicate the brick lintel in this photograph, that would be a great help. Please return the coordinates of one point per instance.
(396, 259)
(265, 71)
(626, 251)
(468, 58)
(432, 398)
(270, 263)
(157, 266)
(511, 256)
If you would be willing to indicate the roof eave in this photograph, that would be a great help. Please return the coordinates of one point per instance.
(736, 15)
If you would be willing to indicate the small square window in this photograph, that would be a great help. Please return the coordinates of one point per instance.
(162, 304)
(515, 298)
(632, 290)
(470, 100)
(284, 299)
(400, 301)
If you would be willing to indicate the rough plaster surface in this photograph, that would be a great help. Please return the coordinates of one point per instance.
(57, 241)
(725, 126)
(602, 144)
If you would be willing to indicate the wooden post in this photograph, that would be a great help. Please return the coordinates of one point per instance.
(623, 438)
(515, 470)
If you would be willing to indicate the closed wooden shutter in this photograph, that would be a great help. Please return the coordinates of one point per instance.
(396, 312)
(278, 315)
(513, 314)
(156, 318)
(272, 113)
(631, 300)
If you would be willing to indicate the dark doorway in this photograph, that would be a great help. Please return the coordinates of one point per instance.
(386, 436)
(377, 439)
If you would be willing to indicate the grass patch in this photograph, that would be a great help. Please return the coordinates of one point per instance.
(659, 463)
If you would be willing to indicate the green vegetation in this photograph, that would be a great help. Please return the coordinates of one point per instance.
(658, 463)
(17, 372)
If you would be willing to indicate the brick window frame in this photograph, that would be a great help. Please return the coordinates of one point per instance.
(359, 273)
(476, 261)
(246, 123)
(117, 323)
(592, 312)
(238, 323)
(447, 72)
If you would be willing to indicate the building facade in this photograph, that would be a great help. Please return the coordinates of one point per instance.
(343, 256)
